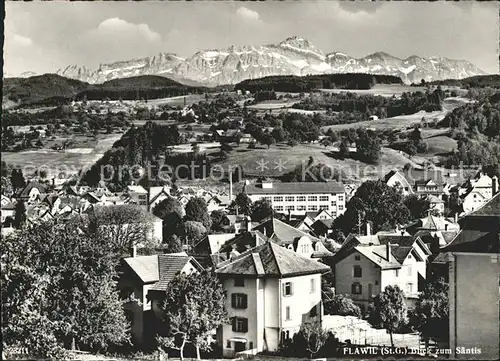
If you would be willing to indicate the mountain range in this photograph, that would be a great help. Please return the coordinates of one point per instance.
(293, 56)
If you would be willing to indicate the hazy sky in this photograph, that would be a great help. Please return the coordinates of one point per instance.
(46, 36)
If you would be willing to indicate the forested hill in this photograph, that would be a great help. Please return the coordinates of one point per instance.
(297, 84)
(480, 81)
(476, 127)
(53, 89)
(139, 87)
(37, 89)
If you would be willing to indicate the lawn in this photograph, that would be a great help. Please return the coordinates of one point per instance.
(386, 90)
(400, 122)
(84, 152)
(280, 159)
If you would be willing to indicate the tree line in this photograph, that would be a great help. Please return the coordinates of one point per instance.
(298, 84)
(382, 107)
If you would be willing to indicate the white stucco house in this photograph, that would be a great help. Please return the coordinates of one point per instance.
(270, 291)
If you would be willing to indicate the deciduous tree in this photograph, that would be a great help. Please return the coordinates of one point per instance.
(193, 306)
(388, 310)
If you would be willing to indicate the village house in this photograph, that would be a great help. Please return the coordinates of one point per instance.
(297, 198)
(477, 191)
(139, 195)
(157, 195)
(142, 280)
(397, 179)
(365, 265)
(271, 291)
(474, 279)
(30, 192)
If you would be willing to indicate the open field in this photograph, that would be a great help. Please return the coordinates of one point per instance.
(281, 159)
(71, 159)
(400, 122)
(386, 90)
(273, 104)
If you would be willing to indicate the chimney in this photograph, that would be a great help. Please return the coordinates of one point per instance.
(388, 253)
(494, 185)
(134, 251)
(230, 188)
(289, 215)
(368, 229)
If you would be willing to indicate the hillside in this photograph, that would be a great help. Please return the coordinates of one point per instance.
(36, 89)
(297, 84)
(480, 81)
(53, 89)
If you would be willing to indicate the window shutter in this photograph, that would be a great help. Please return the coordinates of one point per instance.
(245, 325)
(353, 288)
(245, 298)
(233, 321)
(233, 300)
(291, 288)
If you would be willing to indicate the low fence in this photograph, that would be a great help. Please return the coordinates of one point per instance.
(360, 332)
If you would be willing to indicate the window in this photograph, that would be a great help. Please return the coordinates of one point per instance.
(278, 199)
(240, 324)
(312, 208)
(396, 272)
(357, 272)
(410, 287)
(290, 208)
(304, 248)
(376, 282)
(289, 199)
(279, 208)
(239, 300)
(287, 289)
(312, 198)
(341, 207)
(356, 289)
(301, 208)
(239, 282)
(313, 285)
(334, 204)
(301, 198)
(340, 198)
(409, 270)
(357, 257)
(325, 206)
(267, 198)
(228, 344)
(288, 315)
(143, 196)
(250, 345)
(323, 198)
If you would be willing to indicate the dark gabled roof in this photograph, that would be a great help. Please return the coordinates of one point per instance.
(280, 231)
(400, 253)
(25, 192)
(402, 241)
(169, 265)
(474, 241)
(244, 241)
(271, 260)
(296, 188)
(160, 269)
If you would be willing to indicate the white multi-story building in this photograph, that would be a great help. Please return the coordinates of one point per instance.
(271, 291)
(297, 198)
